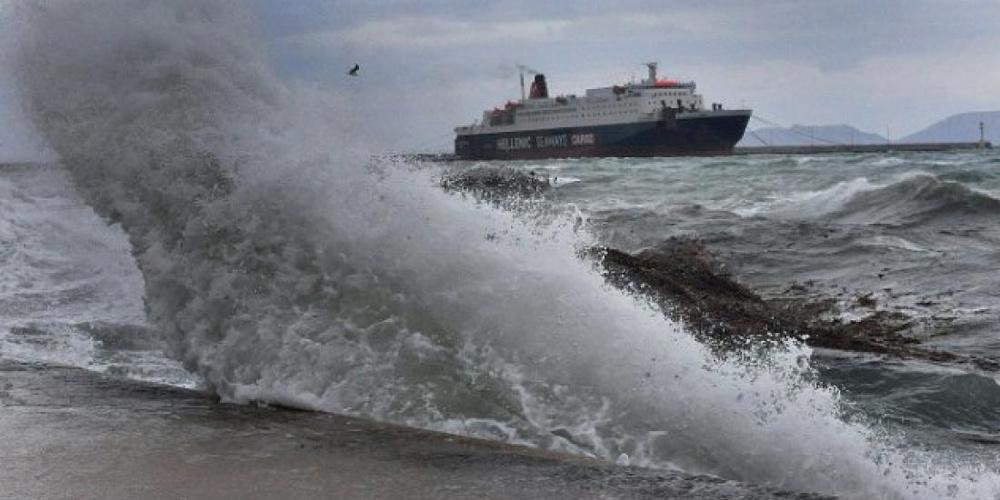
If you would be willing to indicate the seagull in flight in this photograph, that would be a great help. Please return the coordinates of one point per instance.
(354, 70)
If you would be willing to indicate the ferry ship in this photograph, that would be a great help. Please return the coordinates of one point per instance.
(654, 117)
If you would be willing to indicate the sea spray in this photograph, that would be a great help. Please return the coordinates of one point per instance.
(283, 267)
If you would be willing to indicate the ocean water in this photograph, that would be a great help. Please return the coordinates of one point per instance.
(916, 231)
(209, 225)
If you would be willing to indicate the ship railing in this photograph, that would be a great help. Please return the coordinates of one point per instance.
(674, 85)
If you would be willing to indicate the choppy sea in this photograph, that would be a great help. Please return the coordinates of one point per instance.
(916, 231)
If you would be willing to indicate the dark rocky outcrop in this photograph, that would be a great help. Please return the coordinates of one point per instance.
(685, 281)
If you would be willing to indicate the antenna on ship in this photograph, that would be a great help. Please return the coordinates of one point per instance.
(524, 69)
(652, 71)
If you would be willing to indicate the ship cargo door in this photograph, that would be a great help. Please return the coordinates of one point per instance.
(668, 116)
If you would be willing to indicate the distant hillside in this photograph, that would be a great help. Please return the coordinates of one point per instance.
(804, 135)
(960, 128)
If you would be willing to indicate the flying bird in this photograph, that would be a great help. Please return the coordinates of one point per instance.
(354, 70)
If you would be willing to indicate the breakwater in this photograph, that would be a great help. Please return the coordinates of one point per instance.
(863, 148)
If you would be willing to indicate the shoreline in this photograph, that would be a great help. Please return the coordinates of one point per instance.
(71, 433)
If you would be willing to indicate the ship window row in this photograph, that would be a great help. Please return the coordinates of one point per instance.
(606, 106)
(606, 113)
(583, 115)
(548, 111)
(539, 114)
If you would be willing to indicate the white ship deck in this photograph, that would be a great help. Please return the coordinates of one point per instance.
(616, 105)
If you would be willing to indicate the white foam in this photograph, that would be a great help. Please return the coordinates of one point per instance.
(562, 181)
(890, 161)
(809, 203)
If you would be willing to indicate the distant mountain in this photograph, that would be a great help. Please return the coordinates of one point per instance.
(960, 128)
(804, 135)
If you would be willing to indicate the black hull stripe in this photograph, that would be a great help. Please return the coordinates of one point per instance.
(691, 136)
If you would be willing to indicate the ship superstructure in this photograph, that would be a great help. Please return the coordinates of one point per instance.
(648, 118)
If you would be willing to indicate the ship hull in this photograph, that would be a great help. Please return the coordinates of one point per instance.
(709, 134)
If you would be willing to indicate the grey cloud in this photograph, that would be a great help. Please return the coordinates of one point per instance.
(430, 65)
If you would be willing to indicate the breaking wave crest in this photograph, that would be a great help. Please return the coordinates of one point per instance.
(916, 199)
(282, 267)
(911, 199)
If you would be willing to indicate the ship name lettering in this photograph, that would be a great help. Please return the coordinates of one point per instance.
(551, 141)
(582, 139)
(512, 143)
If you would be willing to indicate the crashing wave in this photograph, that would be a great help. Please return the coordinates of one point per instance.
(911, 199)
(917, 199)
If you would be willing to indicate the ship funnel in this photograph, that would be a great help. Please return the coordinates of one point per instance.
(539, 90)
(652, 72)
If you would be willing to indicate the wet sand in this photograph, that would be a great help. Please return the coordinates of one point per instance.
(70, 433)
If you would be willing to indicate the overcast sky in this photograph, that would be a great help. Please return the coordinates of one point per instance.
(430, 65)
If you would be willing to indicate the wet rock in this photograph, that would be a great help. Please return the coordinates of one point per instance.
(867, 300)
(683, 278)
(492, 182)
